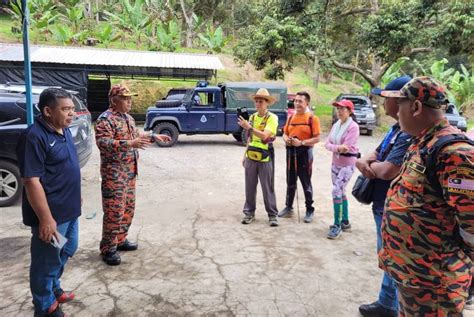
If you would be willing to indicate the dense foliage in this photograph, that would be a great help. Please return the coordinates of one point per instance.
(375, 39)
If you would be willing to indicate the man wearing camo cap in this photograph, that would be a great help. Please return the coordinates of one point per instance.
(428, 224)
(118, 140)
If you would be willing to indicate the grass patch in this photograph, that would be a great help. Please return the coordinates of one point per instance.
(470, 124)
(6, 34)
(151, 90)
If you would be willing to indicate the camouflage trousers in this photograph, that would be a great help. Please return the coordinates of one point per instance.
(422, 302)
(118, 204)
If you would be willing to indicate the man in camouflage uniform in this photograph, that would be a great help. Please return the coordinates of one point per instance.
(428, 225)
(118, 140)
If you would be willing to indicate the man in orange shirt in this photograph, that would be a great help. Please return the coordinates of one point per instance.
(301, 133)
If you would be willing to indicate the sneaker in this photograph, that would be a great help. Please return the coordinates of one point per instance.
(286, 213)
(272, 221)
(375, 309)
(308, 217)
(469, 305)
(334, 232)
(58, 312)
(53, 311)
(346, 226)
(111, 258)
(62, 296)
(248, 219)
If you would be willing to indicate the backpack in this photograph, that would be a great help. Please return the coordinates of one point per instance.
(310, 122)
(430, 158)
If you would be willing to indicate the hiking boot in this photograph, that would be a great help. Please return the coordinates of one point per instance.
(248, 219)
(127, 246)
(111, 258)
(286, 213)
(334, 232)
(309, 216)
(272, 221)
(62, 296)
(376, 310)
(346, 226)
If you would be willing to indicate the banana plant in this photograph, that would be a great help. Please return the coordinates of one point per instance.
(65, 35)
(461, 85)
(168, 35)
(438, 72)
(133, 18)
(214, 39)
(75, 16)
(394, 71)
(43, 15)
(106, 35)
(16, 16)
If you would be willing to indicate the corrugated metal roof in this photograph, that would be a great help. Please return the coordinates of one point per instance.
(109, 57)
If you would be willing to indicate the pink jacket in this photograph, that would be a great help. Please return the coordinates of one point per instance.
(349, 138)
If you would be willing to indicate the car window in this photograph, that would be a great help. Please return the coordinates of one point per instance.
(78, 105)
(203, 99)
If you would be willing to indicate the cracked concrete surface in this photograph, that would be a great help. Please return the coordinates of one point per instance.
(194, 256)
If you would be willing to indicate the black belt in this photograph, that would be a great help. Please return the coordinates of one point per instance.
(350, 154)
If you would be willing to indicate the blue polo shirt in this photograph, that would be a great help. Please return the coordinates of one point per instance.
(44, 153)
(392, 149)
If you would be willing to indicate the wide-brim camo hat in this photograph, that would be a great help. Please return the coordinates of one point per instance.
(120, 90)
(394, 85)
(264, 94)
(425, 89)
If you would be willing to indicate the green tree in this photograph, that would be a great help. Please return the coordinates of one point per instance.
(273, 44)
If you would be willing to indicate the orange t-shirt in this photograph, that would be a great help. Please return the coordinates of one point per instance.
(298, 126)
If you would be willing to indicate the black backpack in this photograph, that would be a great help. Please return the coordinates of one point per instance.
(430, 158)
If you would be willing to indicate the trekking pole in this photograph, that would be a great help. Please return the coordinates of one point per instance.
(296, 183)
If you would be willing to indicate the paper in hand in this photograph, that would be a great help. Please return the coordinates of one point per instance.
(59, 243)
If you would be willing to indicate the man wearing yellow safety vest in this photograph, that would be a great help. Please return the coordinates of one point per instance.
(259, 157)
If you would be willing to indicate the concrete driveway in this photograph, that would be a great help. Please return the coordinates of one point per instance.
(194, 257)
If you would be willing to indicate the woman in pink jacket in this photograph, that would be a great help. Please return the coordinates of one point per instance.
(342, 142)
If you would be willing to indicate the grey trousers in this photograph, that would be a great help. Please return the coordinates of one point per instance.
(253, 172)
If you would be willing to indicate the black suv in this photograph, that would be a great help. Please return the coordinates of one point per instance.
(13, 123)
(363, 111)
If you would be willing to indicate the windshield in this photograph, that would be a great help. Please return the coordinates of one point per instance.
(176, 97)
(189, 94)
(359, 103)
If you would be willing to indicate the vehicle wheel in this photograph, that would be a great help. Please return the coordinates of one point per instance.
(370, 132)
(237, 136)
(10, 183)
(168, 103)
(168, 129)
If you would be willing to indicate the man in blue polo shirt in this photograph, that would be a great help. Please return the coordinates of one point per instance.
(383, 165)
(51, 205)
